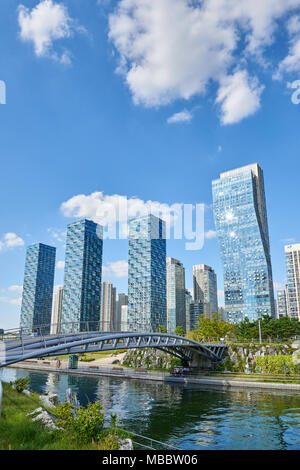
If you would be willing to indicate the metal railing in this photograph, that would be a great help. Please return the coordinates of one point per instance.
(151, 444)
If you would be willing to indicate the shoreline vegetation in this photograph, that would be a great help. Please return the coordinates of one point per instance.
(75, 428)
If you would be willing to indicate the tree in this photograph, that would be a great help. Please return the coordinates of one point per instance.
(161, 329)
(179, 330)
(213, 327)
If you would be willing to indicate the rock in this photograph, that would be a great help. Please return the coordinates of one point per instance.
(27, 392)
(116, 361)
(295, 344)
(42, 415)
(50, 400)
(125, 444)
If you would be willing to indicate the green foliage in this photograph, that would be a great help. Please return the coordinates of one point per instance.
(87, 359)
(282, 328)
(161, 329)
(283, 365)
(213, 327)
(83, 425)
(21, 384)
(179, 330)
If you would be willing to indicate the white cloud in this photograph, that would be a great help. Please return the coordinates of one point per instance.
(10, 240)
(173, 49)
(291, 63)
(182, 116)
(15, 288)
(106, 209)
(58, 234)
(239, 96)
(210, 234)
(46, 23)
(8, 300)
(60, 264)
(116, 269)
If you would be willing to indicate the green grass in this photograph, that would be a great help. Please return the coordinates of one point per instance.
(256, 377)
(19, 432)
(94, 355)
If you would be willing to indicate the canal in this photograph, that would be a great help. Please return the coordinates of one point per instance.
(190, 417)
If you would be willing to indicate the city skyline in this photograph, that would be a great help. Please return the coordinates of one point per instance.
(75, 133)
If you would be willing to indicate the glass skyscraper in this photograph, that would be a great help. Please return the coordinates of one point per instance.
(241, 223)
(38, 287)
(83, 274)
(147, 274)
(205, 288)
(176, 315)
(292, 261)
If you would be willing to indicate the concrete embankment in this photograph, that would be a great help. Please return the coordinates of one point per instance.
(161, 377)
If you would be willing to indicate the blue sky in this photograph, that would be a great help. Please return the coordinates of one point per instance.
(146, 101)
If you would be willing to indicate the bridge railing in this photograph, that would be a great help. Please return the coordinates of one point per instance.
(83, 327)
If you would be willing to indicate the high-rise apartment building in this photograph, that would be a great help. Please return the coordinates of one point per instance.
(122, 300)
(124, 317)
(38, 287)
(196, 311)
(108, 307)
(56, 310)
(242, 227)
(205, 288)
(282, 310)
(83, 272)
(147, 274)
(188, 301)
(292, 261)
(176, 314)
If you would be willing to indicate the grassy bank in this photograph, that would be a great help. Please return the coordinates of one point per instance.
(19, 432)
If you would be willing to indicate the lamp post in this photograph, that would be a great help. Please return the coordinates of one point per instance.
(259, 329)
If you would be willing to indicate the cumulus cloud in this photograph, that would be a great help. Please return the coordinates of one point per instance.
(107, 209)
(45, 24)
(174, 49)
(210, 234)
(239, 96)
(182, 116)
(10, 240)
(60, 264)
(116, 269)
(291, 63)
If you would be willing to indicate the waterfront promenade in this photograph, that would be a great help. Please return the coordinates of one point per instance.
(105, 367)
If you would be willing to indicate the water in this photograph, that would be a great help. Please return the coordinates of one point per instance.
(186, 417)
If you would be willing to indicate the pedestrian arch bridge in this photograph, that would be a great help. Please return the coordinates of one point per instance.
(17, 346)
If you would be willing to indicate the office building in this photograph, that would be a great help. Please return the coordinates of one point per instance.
(83, 273)
(241, 223)
(282, 310)
(176, 315)
(147, 274)
(188, 301)
(108, 307)
(56, 310)
(124, 317)
(38, 288)
(205, 288)
(122, 300)
(292, 261)
(196, 311)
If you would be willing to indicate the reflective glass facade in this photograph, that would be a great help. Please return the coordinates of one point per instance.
(205, 288)
(38, 287)
(147, 274)
(176, 315)
(241, 223)
(292, 261)
(83, 273)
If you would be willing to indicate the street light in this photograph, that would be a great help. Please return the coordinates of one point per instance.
(259, 329)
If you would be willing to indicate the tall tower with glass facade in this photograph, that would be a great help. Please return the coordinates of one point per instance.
(205, 288)
(147, 274)
(242, 227)
(176, 314)
(83, 273)
(108, 307)
(38, 287)
(292, 261)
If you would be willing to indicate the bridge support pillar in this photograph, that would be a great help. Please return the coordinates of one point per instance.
(201, 362)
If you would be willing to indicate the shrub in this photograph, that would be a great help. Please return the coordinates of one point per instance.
(21, 384)
(283, 365)
(83, 425)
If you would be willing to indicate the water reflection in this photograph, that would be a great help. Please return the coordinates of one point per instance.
(190, 418)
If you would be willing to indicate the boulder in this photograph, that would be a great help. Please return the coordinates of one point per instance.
(50, 401)
(125, 444)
